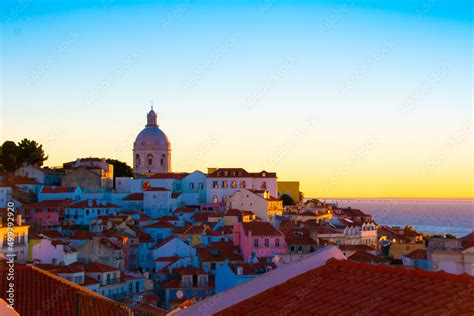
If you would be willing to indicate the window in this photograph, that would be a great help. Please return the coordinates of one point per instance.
(162, 160)
(233, 184)
(213, 265)
(224, 198)
(78, 279)
(255, 243)
(242, 184)
(277, 242)
(149, 158)
(215, 184)
(292, 248)
(191, 186)
(137, 159)
(264, 185)
(224, 184)
(202, 281)
(267, 243)
(187, 281)
(201, 186)
(215, 199)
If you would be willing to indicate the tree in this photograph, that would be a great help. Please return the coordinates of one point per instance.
(31, 152)
(301, 196)
(8, 155)
(121, 169)
(287, 200)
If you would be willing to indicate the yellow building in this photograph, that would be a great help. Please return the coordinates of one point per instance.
(397, 250)
(292, 188)
(18, 244)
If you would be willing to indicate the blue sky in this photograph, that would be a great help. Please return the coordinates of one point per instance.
(300, 88)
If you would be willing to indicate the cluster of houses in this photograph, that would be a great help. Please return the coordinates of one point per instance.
(163, 241)
(178, 237)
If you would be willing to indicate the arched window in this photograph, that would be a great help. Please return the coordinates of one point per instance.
(137, 160)
(224, 198)
(215, 199)
(149, 157)
(162, 161)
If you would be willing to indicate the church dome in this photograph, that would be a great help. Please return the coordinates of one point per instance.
(152, 137)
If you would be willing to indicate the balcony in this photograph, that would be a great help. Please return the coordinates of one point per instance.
(112, 281)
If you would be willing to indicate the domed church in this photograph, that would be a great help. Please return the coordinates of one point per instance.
(151, 149)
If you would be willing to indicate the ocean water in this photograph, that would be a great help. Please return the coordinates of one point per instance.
(428, 216)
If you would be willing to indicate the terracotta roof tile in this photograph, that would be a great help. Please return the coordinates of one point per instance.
(348, 288)
(99, 267)
(157, 189)
(261, 229)
(59, 189)
(133, 197)
(40, 292)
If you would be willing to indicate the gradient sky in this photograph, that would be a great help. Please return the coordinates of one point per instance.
(352, 98)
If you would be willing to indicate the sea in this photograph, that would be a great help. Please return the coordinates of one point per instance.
(430, 216)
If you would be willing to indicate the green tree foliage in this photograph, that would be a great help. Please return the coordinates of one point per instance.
(12, 155)
(121, 169)
(8, 155)
(31, 152)
(287, 200)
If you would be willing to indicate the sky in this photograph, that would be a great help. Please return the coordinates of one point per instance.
(351, 98)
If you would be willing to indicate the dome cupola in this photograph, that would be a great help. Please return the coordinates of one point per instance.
(151, 149)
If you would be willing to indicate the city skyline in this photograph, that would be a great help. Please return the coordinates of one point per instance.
(320, 93)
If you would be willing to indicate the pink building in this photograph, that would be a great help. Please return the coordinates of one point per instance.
(259, 239)
(46, 219)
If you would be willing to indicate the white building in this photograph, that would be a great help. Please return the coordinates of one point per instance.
(260, 202)
(221, 183)
(54, 251)
(5, 195)
(452, 255)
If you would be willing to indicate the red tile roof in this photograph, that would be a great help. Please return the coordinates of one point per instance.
(54, 189)
(364, 256)
(133, 197)
(261, 229)
(95, 267)
(158, 189)
(219, 251)
(240, 173)
(38, 292)
(185, 210)
(350, 288)
(161, 224)
(177, 176)
(18, 180)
